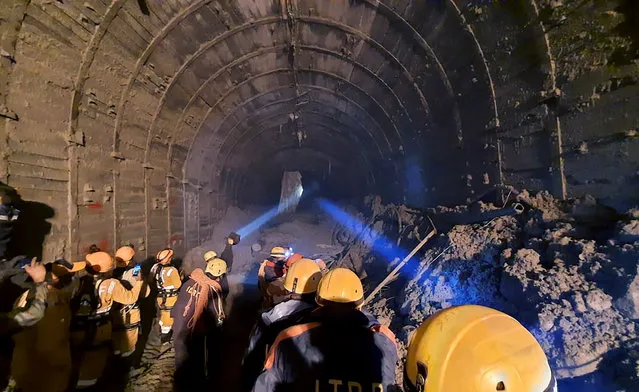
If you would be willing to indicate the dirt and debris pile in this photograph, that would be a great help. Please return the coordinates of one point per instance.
(568, 270)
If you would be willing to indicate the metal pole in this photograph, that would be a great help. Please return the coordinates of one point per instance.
(391, 276)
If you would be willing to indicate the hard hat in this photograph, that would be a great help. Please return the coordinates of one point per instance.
(164, 255)
(100, 261)
(216, 267)
(59, 270)
(280, 252)
(476, 349)
(303, 277)
(340, 285)
(211, 254)
(124, 255)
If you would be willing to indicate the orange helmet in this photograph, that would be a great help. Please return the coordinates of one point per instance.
(164, 256)
(59, 270)
(124, 255)
(100, 261)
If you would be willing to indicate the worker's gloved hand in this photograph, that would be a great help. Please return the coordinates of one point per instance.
(233, 238)
(36, 271)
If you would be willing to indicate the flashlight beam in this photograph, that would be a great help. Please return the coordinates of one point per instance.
(270, 214)
(393, 273)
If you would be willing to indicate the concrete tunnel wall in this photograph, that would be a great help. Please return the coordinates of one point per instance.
(139, 121)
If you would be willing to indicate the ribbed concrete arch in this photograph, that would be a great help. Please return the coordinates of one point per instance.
(121, 107)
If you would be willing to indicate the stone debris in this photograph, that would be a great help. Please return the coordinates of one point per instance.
(557, 268)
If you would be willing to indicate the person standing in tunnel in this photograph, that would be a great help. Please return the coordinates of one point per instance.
(91, 327)
(168, 283)
(9, 215)
(227, 254)
(126, 318)
(271, 272)
(198, 318)
(46, 345)
(338, 345)
(301, 283)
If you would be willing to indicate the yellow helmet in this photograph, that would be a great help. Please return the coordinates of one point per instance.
(216, 267)
(164, 256)
(211, 254)
(124, 255)
(280, 252)
(340, 285)
(475, 349)
(303, 277)
(100, 261)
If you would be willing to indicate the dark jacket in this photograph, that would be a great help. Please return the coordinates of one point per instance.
(184, 308)
(196, 340)
(332, 349)
(8, 217)
(227, 255)
(266, 329)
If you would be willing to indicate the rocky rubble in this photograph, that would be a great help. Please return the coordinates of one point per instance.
(567, 270)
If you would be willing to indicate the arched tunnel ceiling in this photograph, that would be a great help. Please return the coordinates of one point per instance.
(361, 59)
(171, 109)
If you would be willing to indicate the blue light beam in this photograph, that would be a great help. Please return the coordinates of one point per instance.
(386, 248)
(261, 220)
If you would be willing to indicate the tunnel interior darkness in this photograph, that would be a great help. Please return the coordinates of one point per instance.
(152, 117)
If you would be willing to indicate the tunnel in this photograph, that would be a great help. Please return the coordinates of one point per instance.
(143, 121)
(152, 116)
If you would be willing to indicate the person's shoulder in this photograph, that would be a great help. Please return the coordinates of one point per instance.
(287, 338)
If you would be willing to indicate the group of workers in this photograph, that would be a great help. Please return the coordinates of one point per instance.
(77, 316)
(311, 334)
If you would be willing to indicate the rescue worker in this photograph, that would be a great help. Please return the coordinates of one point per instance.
(227, 254)
(300, 283)
(9, 215)
(271, 272)
(46, 345)
(31, 307)
(126, 318)
(198, 316)
(474, 349)
(339, 345)
(168, 283)
(91, 326)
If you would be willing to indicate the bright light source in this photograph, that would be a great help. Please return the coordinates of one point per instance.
(270, 214)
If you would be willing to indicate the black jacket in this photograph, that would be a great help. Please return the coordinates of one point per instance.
(345, 348)
(266, 329)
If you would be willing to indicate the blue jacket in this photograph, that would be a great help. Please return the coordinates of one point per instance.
(266, 329)
(332, 352)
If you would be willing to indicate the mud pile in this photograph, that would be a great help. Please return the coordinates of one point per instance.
(567, 270)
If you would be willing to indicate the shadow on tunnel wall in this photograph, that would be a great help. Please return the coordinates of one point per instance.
(32, 226)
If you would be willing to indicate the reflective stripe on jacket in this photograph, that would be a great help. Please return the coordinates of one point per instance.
(345, 349)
